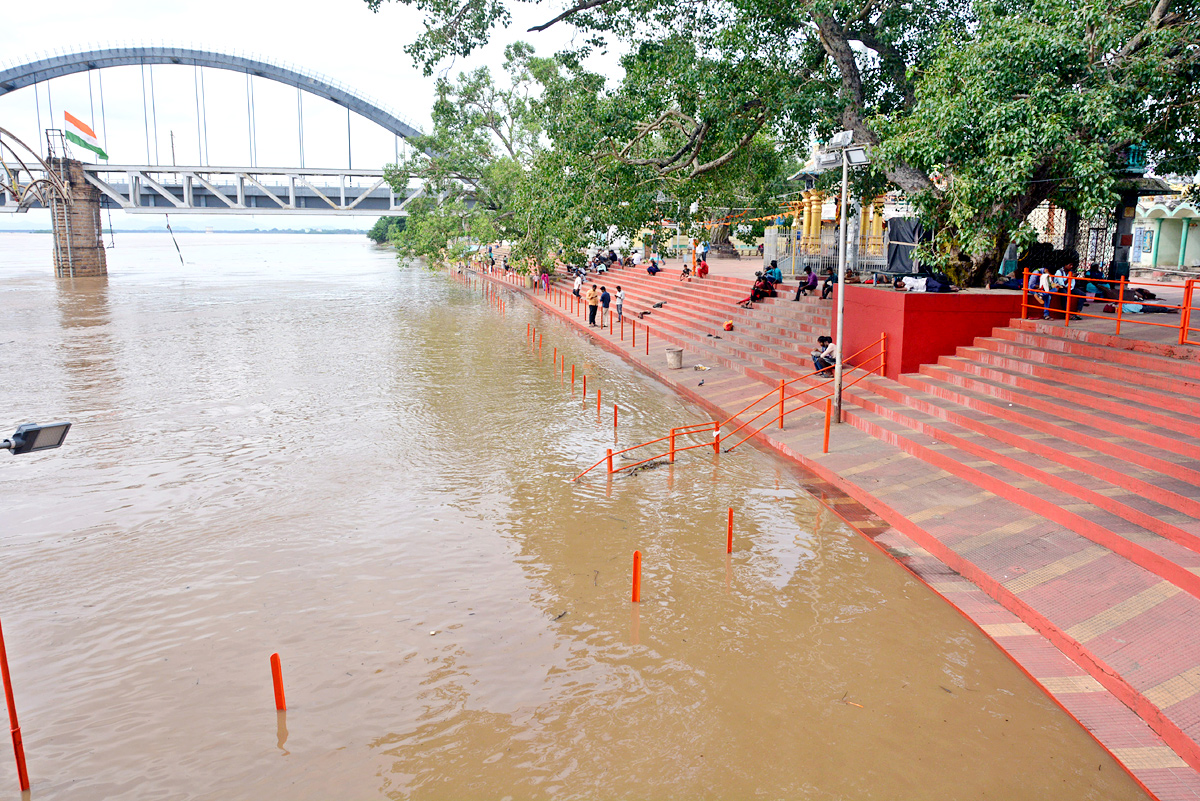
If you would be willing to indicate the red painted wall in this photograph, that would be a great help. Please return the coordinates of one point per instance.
(922, 326)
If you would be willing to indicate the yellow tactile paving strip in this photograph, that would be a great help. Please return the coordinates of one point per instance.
(1055, 569)
(1123, 612)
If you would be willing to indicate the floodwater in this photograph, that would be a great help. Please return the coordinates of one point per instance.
(291, 444)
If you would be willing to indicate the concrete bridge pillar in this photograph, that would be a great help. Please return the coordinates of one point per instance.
(78, 235)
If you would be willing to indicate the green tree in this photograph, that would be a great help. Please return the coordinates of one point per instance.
(385, 229)
(975, 110)
(485, 136)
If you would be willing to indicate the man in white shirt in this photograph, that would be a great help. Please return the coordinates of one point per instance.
(824, 356)
(578, 284)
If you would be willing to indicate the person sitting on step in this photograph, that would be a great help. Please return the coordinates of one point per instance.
(808, 283)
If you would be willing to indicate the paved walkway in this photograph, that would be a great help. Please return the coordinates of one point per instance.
(1005, 560)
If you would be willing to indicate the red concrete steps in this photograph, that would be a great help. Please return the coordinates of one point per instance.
(1012, 432)
(1170, 350)
(759, 336)
(1082, 387)
(1146, 505)
(973, 375)
(1122, 438)
(1065, 351)
(1150, 552)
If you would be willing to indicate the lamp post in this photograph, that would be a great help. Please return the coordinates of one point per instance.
(851, 156)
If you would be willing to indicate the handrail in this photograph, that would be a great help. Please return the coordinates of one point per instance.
(780, 404)
(1070, 293)
(882, 341)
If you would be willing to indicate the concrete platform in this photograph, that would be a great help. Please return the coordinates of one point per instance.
(1043, 481)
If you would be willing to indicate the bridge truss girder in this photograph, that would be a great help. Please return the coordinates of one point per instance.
(243, 191)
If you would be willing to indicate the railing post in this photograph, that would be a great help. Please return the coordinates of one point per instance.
(614, 417)
(609, 459)
(828, 417)
(1025, 294)
(597, 403)
(647, 340)
(1120, 302)
(781, 404)
(585, 386)
(14, 726)
(1185, 314)
(672, 451)
(1067, 312)
(883, 353)
(716, 437)
(633, 333)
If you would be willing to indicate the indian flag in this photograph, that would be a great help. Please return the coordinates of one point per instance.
(82, 135)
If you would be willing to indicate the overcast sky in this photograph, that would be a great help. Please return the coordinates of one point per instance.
(341, 39)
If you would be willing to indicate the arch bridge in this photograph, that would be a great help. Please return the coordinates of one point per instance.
(203, 189)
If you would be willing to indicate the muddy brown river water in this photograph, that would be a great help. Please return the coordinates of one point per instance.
(290, 444)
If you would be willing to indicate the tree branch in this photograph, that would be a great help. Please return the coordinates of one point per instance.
(1140, 40)
(573, 10)
(733, 151)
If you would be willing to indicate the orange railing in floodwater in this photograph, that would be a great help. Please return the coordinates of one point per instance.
(872, 364)
(1074, 293)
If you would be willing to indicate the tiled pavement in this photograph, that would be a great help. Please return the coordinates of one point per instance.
(1072, 549)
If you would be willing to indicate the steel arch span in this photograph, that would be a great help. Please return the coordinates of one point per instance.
(58, 64)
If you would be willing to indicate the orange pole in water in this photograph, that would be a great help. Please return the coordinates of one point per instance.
(716, 437)
(609, 457)
(647, 340)
(585, 386)
(828, 417)
(556, 354)
(672, 451)
(637, 576)
(597, 403)
(277, 680)
(633, 329)
(729, 533)
(614, 416)
(572, 377)
(18, 743)
(781, 404)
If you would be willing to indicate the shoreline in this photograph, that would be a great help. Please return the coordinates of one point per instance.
(1150, 757)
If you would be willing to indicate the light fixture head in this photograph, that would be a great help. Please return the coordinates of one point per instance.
(857, 156)
(30, 437)
(841, 139)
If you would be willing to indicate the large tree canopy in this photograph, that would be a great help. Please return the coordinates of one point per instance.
(979, 111)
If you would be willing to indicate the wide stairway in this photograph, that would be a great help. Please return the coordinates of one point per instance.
(769, 342)
(1059, 473)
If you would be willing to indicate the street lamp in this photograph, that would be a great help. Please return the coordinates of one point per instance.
(850, 155)
(31, 437)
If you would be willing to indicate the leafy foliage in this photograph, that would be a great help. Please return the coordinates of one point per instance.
(385, 229)
(977, 110)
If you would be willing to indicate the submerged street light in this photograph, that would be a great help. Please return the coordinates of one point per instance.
(31, 437)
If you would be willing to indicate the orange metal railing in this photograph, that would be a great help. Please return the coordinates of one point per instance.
(1074, 293)
(869, 365)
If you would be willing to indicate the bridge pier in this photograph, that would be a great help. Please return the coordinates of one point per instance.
(78, 234)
